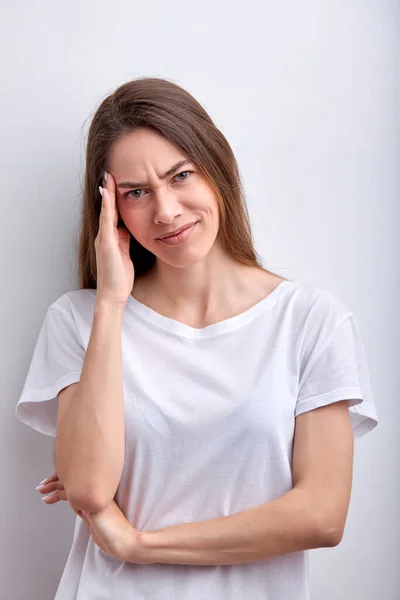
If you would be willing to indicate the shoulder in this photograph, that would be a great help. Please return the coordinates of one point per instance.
(315, 315)
(75, 302)
(313, 304)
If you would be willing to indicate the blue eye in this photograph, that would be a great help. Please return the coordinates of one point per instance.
(137, 197)
(182, 173)
(127, 193)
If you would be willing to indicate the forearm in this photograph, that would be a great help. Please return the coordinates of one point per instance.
(90, 443)
(287, 524)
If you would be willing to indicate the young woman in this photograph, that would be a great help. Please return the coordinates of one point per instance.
(204, 409)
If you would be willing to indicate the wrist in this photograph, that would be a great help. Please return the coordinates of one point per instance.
(105, 312)
(138, 551)
(106, 306)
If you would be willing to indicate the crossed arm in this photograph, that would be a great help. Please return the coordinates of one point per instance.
(311, 515)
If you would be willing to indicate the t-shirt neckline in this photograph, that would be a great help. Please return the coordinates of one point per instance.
(182, 329)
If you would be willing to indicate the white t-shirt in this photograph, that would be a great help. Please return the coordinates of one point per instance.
(209, 426)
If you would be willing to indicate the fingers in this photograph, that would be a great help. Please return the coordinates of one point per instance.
(110, 188)
(56, 492)
(53, 477)
(52, 499)
(46, 488)
(56, 489)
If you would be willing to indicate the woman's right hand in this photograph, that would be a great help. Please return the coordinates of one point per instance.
(115, 270)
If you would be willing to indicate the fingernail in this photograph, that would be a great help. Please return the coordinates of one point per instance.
(43, 481)
(39, 486)
(105, 176)
(44, 497)
(101, 190)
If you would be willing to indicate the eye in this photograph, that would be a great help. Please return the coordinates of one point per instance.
(127, 194)
(134, 197)
(183, 173)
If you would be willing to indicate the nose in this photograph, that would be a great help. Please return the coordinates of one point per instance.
(167, 207)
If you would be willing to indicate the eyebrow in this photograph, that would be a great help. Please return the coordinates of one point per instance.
(132, 184)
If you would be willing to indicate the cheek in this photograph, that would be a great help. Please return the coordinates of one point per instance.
(206, 202)
(140, 228)
(131, 219)
(213, 210)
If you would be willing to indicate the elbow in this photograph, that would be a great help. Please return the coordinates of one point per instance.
(325, 525)
(86, 503)
(330, 533)
(83, 499)
(332, 537)
(326, 522)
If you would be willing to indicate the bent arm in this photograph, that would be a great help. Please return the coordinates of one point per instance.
(90, 442)
(311, 515)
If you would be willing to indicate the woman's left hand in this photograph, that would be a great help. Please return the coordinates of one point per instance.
(113, 533)
(110, 529)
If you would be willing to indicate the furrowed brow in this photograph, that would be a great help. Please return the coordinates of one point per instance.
(132, 184)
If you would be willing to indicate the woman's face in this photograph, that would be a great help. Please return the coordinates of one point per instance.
(163, 196)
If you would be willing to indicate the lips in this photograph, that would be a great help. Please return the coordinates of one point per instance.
(172, 233)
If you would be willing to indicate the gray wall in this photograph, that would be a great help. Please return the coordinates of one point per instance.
(307, 93)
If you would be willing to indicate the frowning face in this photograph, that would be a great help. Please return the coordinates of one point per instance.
(160, 191)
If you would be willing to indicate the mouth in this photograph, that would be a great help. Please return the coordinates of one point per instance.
(182, 235)
(177, 231)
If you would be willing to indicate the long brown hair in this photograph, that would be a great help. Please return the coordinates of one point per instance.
(169, 109)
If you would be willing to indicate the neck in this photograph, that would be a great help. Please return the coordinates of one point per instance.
(204, 290)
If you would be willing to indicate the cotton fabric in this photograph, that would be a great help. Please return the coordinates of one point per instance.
(209, 425)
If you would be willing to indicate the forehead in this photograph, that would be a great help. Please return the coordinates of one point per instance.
(143, 147)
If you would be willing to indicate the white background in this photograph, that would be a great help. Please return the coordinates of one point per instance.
(307, 94)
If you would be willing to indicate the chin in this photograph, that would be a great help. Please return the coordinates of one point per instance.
(182, 260)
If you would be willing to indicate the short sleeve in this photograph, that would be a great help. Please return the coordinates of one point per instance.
(56, 363)
(336, 369)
